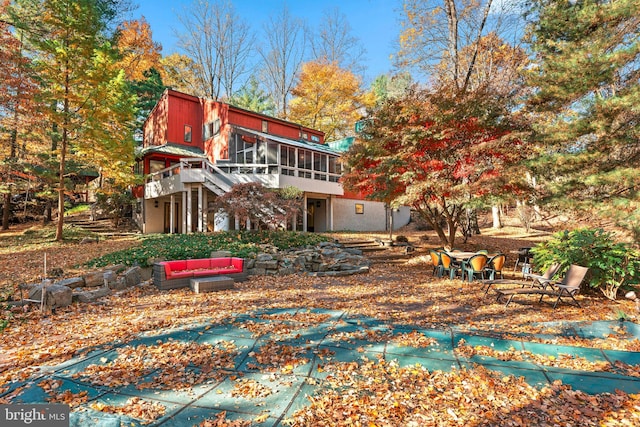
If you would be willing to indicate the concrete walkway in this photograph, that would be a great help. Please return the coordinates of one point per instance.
(264, 365)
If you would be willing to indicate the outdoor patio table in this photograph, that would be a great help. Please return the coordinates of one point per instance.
(463, 256)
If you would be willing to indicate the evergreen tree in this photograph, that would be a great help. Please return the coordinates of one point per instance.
(148, 91)
(253, 98)
(586, 94)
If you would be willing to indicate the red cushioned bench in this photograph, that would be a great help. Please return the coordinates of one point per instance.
(178, 274)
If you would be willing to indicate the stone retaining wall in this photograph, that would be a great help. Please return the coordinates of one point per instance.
(325, 259)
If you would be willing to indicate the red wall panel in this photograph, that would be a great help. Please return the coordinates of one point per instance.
(184, 110)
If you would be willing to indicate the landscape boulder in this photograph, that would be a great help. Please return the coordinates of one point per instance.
(55, 295)
(90, 296)
(72, 282)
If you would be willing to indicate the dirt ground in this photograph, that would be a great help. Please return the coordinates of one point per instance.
(400, 291)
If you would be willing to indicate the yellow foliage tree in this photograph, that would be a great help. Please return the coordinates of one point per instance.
(329, 99)
(138, 51)
(179, 72)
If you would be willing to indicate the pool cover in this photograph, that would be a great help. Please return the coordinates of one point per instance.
(264, 365)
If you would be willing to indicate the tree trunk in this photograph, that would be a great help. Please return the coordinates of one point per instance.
(390, 223)
(452, 21)
(6, 211)
(46, 215)
(497, 219)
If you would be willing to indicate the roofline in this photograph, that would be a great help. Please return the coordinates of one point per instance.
(231, 107)
(324, 148)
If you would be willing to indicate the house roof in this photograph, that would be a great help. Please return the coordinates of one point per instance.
(293, 142)
(169, 148)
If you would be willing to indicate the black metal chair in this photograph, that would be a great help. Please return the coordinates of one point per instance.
(524, 258)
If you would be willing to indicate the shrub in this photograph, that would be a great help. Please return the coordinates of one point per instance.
(612, 265)
(191, 246)
(116, 204)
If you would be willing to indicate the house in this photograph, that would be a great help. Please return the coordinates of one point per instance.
(196, 149)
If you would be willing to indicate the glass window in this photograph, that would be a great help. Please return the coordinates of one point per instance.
(261, 156)
(156, 165)
(305, 162)
(359, 208)
(315, 138)
(272, 153)
(187, 133)
(333, 167)
(320, 162)
(265, 126)
(138, 168)
(287, 160)
(292, 157)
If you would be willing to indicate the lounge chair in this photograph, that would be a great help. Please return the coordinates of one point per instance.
(567, 288)
(530, 280)
(547, 276)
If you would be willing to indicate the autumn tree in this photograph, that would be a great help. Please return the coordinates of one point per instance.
(586, 92)
(138, 52)
(434, 33)
(458, 44)
(328, 98)
(179, 72)
(219, 43)
(425, 151)
(89, 110)
(259, 205)
(18, 113)
(282, 56)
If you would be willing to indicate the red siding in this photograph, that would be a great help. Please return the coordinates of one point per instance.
(155, 127)
(185, 110)
(166, 123)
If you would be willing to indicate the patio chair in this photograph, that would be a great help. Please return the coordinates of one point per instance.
(567, 288)
(495, 266)
(524, 257)
(531, 280)
(474, 266)
(437, 263)
(448, 265)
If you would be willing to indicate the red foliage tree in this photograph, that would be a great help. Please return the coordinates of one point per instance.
(436, 154)
(260, 205)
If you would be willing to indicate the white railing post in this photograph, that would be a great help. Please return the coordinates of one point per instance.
(172, 214)
(189, 210)
(200, 208)
(184, 212)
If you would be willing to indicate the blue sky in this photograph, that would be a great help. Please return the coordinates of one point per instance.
(373, 22)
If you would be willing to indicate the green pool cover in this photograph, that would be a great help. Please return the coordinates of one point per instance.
(264, 365)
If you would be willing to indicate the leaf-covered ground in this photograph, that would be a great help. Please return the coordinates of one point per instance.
(377, 393)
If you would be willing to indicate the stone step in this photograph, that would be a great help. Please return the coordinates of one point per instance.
(102, 227)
